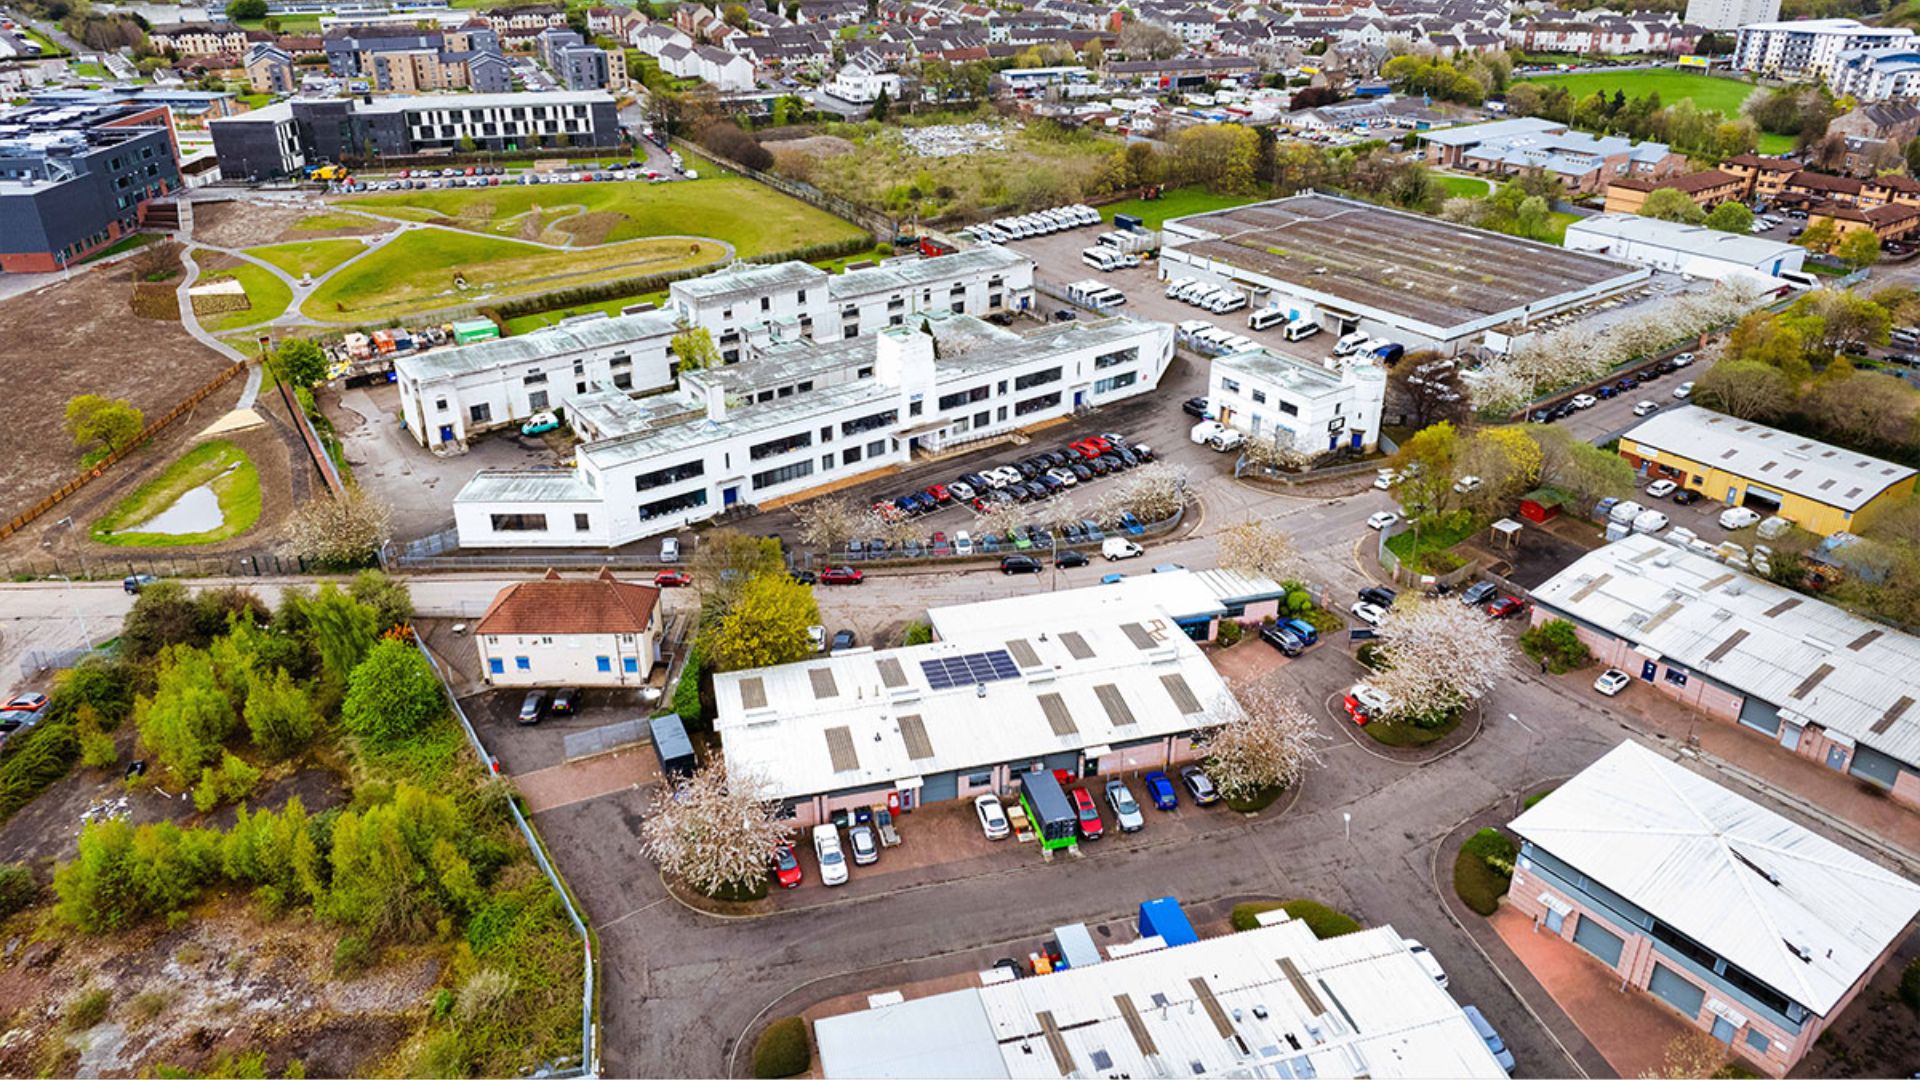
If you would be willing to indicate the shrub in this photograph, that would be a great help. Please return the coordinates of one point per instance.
(1324, 921)
(231, 782)
(1230, 633)
(34, 760)
(917, 633)
(783, 1049)
(96, 748)
(1247, 916)
(1910, 985)
(147, 1007)
(18, 889)
(1557, 643)
(1479, 886)
(1493, 847)
(124, 875)
(88, 1009)
(1534, 798)
(392, 694)
(352, 954)
(686, 692)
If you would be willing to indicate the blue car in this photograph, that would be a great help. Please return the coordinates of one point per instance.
(1131, 524)
(906, 504)
(1093, 531)
(1160, 790)
(1302, 629)
(1112, 579)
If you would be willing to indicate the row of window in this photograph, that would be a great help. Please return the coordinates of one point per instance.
(672, 474)
(673, 504)
(1116, 358)
(868, 423)
(1118, 382)
(965, 397)
(775, 447)
(1037, 404)
(1036, 378)
(498, 665)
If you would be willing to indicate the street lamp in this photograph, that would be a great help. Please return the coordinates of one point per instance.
(86, 635)
(1526, 761)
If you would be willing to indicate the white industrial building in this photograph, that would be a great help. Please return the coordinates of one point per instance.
(799, 414)
(1197, 600)
(1686, 249)
(1729, 14)
(446, 395)
(747, 304)
(1087, 687)
(1310, 407)
(1810, 48)
(1271, 1001)
(597, 631)
(1822, 682)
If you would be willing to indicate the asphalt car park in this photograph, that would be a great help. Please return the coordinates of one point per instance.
(523, 747)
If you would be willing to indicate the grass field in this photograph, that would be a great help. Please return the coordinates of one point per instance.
(1723, 96)
(415, 272)
(268, 294)
(1178, 202)
(330, 222)
(755, 219)
(527, 324)
(314, 257)
(1469, 187)
(235, 483)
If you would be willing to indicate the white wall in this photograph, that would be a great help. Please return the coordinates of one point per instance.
(567, 659)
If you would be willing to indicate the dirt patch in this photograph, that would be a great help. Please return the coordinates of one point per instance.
(1877, 1035)
(227, 983)
(73, 338)
(815, 146)
(590, 228)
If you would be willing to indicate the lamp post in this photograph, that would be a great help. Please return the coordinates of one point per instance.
(1526, 761)
(86, 635)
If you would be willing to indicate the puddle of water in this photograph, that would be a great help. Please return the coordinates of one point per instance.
(196, 511)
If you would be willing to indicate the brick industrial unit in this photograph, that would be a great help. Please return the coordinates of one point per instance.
(1351, 265)
(74, 178)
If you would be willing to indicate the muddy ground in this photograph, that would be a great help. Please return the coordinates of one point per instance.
(250, 224)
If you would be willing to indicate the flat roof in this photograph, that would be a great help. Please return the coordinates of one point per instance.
(1792, 908)
(1770, 457)
(539, 345)
(877, 718)
(526, 485)
(1818, 663)
(929, 1038)
(1183, 594)
(745, 277)
(1271, 1001)
(1744, 249)
(1299, 376)
(411, 102)
(911, 273)
(1411, 266)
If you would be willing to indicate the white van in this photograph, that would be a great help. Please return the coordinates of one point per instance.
(1186, 330)
(833, 861)
(1227, 440)
(1116, 240)
(1191, 290)
(1349, 342)
(1301, 328)
(1202, 297)
(1211, 340)
(1238, 344)
(1624, 512)
(1265, 317)
(1100, 258)
(1107, 298)
(962, 543)
(1227, 301)
(1174, 286)
(1115, 548)
(1207, 429)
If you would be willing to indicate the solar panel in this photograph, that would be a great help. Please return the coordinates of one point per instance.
(946, 672)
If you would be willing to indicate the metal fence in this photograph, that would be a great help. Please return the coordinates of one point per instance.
(39, 660)
(589, 1061)
(605, 739)
(233, 564)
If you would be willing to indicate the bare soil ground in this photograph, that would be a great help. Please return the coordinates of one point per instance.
(1878, 1035)
(75, 338)
(243, 224)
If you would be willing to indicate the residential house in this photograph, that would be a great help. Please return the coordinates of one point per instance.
(193, 39)
(1707, 189)
(562, 632)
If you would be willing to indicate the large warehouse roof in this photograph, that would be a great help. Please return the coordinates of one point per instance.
(1769, 457)
(1271, 1001)
(1409, 266)
(1817, 663)
(1803, 914)
(865, 719)
(1184, 594)
(1678, 236)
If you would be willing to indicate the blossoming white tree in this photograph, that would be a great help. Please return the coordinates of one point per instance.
(1259, 547)
(1266, 742)
(713, 832)
(1438, 657)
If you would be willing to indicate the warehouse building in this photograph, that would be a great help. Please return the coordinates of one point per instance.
(1823, 683)
(1823, 489)
(1090, 688)
(1754, 929)
(1347, 265)
(1678, 248)
(1270, 395)
(1270, 1001)
(75, 178)
(799, 415)
(1198, 601)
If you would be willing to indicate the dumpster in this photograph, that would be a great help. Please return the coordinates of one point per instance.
(1164, 919)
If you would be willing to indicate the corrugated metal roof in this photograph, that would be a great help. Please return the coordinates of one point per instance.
(1814, 470)
(1747, 883)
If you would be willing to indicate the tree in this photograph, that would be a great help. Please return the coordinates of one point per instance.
(1257, 546)
(299, 362)
(726, 559)
(343, 531)
(1426, 463)
(1153, 492)
(1693, 1054)
(1218, 156)
(390, 599)
(694, 348)
(1507, 461)
(1746, 389)
(1146, 41)
(1819, 236)
(1731, 216)
(734, 15)
(713, 832)
(280, 715)
(829, 522)
(1265, 742)
(1671, 204)
(1438, 658)
(1859, 248)
(397, 865)
(1094, 55)
(766, 624)
(882, 105)
(1580, 468)
(392, 694)
(109, 421)
(246, 9)
(1557, 644)
(343, 630)
(189, 715)
(162, 615)
(1426, 389)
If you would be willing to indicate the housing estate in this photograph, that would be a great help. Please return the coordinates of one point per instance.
(1754, 929)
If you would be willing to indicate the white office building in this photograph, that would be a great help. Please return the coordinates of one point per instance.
(799, 414)
(1271, 396)
(1679, 248)
(749, 304)
(447, 395)
(1728, 14)
(1810, 48)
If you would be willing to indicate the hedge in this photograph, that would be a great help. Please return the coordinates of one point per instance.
(686, 692)
(783, 1049)
(1324, 921)
(1483, 869)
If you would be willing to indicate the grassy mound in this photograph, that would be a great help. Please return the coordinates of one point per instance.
(783, 1049)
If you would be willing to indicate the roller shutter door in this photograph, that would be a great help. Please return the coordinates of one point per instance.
(1760, 716)
(1590, 935)
(940, 787)
(1873, 765)
(1676, 991)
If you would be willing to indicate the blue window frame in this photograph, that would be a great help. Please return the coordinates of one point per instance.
(496, 666)
(521, 663)
(602, 663)
(1758, 1042)
(630, 665)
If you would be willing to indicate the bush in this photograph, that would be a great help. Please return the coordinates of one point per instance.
(1477, 884)
(917, 633)
(392, 695)
(96, 748)
(1230, 633)
(1557, 643)
(783, 1049)
(1247, 916)
(686, 692)
(124, 875)
(18, 889)
(1910, 985)
(1256, 800)
(352, 954)
(33, 761)
(88, 1009)
(1324, 921)
(231, 782)
(1493, 847)
(753, 890)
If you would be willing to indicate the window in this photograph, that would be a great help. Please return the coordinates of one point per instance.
(864, 373)
(782, 475)
(537, 400)
(580, 523)
(1289, 408)
(535, 379)
(979, 779)
(826, 462)
(630, 665)
(1758, 1042)
(964, 397)
(673, 504)
(775, 447)
(914, 408)
(1036, 404)
(1036, 378)
(603, 663)
(481, 414)
(1115, 359)
(1118, 382)
(982, 419)
(1259, 397)
(672, 474)
(868, 423)
(519, 523)
(440, 404)
(621, 361)
(876, 448)
(521, 663)
(1229, 386)
(623, 380)
(850, 455)
(496, 666)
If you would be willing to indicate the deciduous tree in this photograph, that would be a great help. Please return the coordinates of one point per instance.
(766, 624)
(1731, 216)
(1439, 657)
(828, 522)
(1858, 248)
(1257, 546)
(726, 559)
(189, 715)
(343, 629)
(110, 422)
(299, 362)
(1672, 204)
(1745, 388)
(392, 695)
(1266, 741)
(712, 831)
(280, 715)
(693, 348)
(339, 532)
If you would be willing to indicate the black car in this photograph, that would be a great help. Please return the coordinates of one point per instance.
(1281, 638)
(1063, 315)
(1050, 483)
(565, 702)
(1028, 468)
(1080, 472)
(1040, 536)
(1479, 593)
(843, 639)
(532, 706)
(1126, 456)
(804, 577)
(1067, 560)
(1071, 533)
(1019, 564)
(1195, 407)
(1686, 496)
(1055, 458)
(135, 582)
(1378, 594)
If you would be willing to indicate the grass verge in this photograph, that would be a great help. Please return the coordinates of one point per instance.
(265, 291)
(314, 257)
(331, 221)
(1257, 801)
(1325, 922)
(1430, 553)
(1467, 187)
(1398, 733)
(783, 1049)
(1483, 869)
(1179, 202)
(236, 484)
(527, 324)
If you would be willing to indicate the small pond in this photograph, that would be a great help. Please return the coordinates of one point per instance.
(195, 511)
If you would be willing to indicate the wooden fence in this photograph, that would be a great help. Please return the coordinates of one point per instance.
(72, 487)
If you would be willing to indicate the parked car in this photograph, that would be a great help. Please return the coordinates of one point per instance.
(1382, 520)
(1646, 408)
(833, 861)
(133, 583)
(817, 637)
(1660, 489)
(1283, 638)
(1160, 790)
(1126, 812)
(1067, 560)
(1466, 484)
(1584, 401)
(843, 639)
(866, 849)
(1195, 407)
(1477, 593)
(1364, 702)
(540, 423)
(672, 579)
(1091, 827)
(532, 706)
(993, 817)
(1371, 614)
(32, 703)
(1612, 681)
(786, 867)
(1683, 391)
(1020, 564)
(1379, 595)
(1199, 785)
(841, 575)
(1506, 607)
(1687, 497)
(566, 701)
(1491, 1037)
(1427, 963)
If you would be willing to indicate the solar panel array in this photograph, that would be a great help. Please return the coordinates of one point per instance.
(947, 672)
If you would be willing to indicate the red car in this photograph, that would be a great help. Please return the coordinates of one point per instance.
(840, 575)
(939, 493)
(980, 506)
(786, 868)
(1084, 449)
(672, 579)
(1090, 825)
(26, 703)
(1506, 606)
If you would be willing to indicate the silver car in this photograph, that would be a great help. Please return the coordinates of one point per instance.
(1125, 810)
(866, 851)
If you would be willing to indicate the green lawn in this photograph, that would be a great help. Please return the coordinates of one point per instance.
(330, 222)
(1431, 555)
(755, 219)
(235, 484)
(268, 294)
(1470, 187)
(1178, 202)
(314, 257)
(527, 324)
(416, 272)
(1716, 95)
(87, 69)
